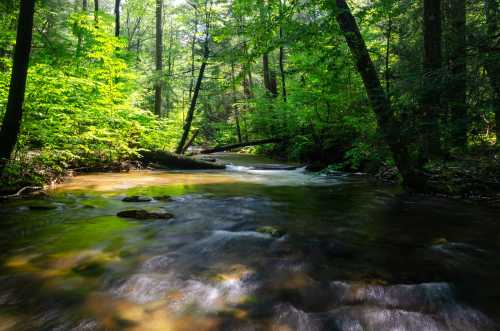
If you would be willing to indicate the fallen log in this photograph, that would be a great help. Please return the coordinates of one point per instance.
(174, 161)
(240, 145)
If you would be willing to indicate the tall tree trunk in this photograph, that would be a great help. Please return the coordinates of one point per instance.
(159, 58)
(492, 61)
(96, 12)
(269, 77)
(387, 72)
(193, 44)
(456, 94)
(197, 88)
(431, 97)
(235, 107)
(13, 116)
(117, 18)
(265, 71)
(386, 119)
(282, 56)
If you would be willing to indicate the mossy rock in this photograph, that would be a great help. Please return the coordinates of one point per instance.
(271, 230)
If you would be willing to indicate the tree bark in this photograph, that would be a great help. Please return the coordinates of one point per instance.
(241, 145)
(159, 58)
(282, 56)
(456, 95)
(96, 12)
(117, 18)
(431, 97)
(389, 125)
(235, 107)
(492, 60)
(13, 116)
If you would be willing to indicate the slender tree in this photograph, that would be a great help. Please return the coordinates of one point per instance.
(117, 18)
(431, 96)
(96, 12)
(159, 58)
(456, 94)
(386, 119)
(492, 60)
(282, 55)
(192, 107)
(13, 116)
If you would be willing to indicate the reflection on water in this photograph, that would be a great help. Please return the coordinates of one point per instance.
(348, 256)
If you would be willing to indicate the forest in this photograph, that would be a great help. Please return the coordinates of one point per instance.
(379, 85)
(249, 165)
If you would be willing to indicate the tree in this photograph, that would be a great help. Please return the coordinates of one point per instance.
(197, 87)
(96, 11)
(431, 96)
(13, 116)
(117, 18)
(282, 55)
(159, 58)
(385, 116)
(492, 60)
(456, 94)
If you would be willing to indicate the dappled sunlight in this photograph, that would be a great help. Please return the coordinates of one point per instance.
(112, 181)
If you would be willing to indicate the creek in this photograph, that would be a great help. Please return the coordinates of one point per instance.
(251, 247)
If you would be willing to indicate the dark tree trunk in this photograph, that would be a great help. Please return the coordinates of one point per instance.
(240, 145)
(282, 57)
(431, 97)
(389, 125)
(85, 5)
(13, 116)
(96, 11)
(492, 61)
(235, 106)
(117, 18)
(193, 44)
(159, 58)
(265, 71)
(456, 95)
(388, 57)
(196, 92)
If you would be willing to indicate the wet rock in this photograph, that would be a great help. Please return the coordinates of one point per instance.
(136, 198)
(271, 230)
(166, 198)
(141, 214)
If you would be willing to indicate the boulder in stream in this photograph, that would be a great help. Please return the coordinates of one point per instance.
(137, 198)
(141, 214)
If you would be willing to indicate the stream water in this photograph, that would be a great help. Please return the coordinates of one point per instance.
(350, 255)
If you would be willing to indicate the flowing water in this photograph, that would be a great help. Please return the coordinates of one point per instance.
(348, 255)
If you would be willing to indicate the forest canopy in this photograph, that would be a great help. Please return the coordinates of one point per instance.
(359, 86)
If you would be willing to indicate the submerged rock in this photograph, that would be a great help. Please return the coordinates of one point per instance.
(137, 198)
(271, 230)
(141, 214)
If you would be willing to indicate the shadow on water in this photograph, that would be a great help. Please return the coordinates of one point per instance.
(349, 255)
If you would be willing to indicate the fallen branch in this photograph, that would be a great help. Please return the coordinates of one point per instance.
(240, 145)
(18, 193)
